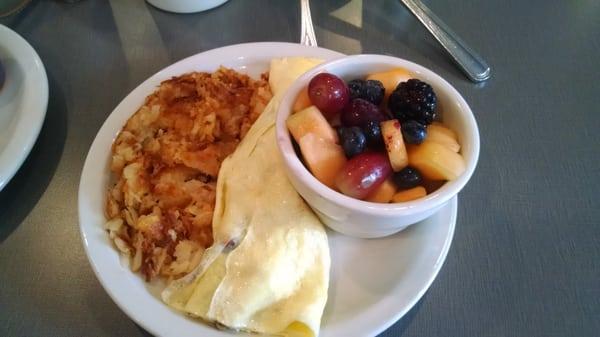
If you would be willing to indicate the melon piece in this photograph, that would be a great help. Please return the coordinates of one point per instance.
(391, 78)
(302, 101)
(441, 134)
(383, 193)
(324, 158)
(435, 161)
(410, 194)
(394, 144)
(311, 120)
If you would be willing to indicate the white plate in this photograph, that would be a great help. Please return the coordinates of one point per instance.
(23, 102)
(373, 282)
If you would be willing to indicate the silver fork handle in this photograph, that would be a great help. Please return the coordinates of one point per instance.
(471, 63)
(307, 31)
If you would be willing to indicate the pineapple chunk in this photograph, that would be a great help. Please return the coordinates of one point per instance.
(394, 144)
(435, 161)
(311, 120)
(383, 193)
(302, 101)
(441, 134)
(324, 158)
(391, 78)
(318, 143)
(410, 194)
(444, 129)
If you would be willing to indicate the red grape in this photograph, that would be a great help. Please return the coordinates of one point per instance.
(363, 174)
(328, 93)
(359, 112)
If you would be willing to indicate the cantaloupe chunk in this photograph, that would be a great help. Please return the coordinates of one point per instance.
(302, 101)
(435, 161)
(394, 144)
(324, 158)
(311, 120)
(441, 134)
(391, 78)
(410, 194)
(383, 193)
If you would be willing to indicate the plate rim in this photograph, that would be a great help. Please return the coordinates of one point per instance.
(453, 205)
(31, 118)
(138, 317)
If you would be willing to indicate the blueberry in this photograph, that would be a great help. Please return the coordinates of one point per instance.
(413, 132)
(353, 140)
(407, 178)
(370, 90)
(372, 132)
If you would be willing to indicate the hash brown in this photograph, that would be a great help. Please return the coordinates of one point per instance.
(166, 160)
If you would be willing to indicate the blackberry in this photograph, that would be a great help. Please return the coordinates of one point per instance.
(413, 100)
(370, 90)
(356, 88)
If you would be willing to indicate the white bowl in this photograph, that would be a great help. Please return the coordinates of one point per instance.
(23, 102)
(186, 6)
(367, 219)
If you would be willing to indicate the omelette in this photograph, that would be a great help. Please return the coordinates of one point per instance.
(268, 269)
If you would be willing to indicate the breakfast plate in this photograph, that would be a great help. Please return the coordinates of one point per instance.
(373, 282)
(23, 101)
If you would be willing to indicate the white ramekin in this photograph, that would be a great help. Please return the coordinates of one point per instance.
(186, 6)
(366, 219)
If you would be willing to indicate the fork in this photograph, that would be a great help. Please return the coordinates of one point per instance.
(471, 63)
(307, 31)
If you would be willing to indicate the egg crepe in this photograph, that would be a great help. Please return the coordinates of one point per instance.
(268, 269)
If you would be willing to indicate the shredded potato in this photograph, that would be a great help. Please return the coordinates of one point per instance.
(166, 160)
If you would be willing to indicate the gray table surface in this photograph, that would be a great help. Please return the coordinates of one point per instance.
(526, 252)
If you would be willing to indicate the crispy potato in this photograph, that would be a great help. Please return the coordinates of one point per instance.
(166, 160)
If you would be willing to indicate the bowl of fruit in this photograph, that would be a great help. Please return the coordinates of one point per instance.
(375, 143)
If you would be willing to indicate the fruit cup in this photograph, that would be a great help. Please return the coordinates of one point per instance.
(366, 219)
